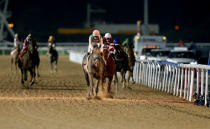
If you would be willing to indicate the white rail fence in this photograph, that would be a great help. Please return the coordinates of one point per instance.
(62, 48)
(183, 80)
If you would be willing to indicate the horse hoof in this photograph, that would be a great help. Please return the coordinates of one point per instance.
(109, 96)
(22, 82)
(32, 83)
(97, 98)
(88, 98)
(128, 88)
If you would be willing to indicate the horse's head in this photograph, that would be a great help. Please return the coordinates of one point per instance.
(127, 50)
(96, 55)
(31, 46)
(117, 51)
(96, 49)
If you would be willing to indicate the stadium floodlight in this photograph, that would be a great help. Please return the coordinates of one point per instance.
(3, 20)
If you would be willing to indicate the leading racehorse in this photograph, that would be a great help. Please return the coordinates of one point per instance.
(27, 62)
(94, 70)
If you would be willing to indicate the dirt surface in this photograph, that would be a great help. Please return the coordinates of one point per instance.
(59, 102)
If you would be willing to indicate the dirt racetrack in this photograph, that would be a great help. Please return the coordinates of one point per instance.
(59, 102)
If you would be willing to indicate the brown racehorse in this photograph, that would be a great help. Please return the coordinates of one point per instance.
(131, 62)
(94, 70)
(110, 67)
(27, 63)
(14, 57)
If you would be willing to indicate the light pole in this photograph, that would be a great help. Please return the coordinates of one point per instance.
(3, 20)
(89, 11)
(146, 18)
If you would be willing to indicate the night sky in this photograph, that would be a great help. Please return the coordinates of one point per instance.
(52, 14)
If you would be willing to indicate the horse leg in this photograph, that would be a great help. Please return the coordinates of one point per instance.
(91, 85)
(25, 75)
(32, 72)
(55, 68)
(129, 75)
(37, 71)
(51, 64)
(11, 64)
(132, 77)
(109, 84)
(116, 81)
(101, 83)
(123, 78)
(96, 89)
(16, 65)
(86, 78)
(22, 80)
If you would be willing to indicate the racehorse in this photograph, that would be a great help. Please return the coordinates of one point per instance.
(28, 62)
(94, 69)
(110, 67)
(131, 62)
(14, 57)
(121, 61)
(53, 57)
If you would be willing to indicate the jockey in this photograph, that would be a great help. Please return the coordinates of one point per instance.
(51, 41)
(127, 42)
(108, 42)
(26, 43)
(95, 38)
(107, 39)
(17, 41)
(117, 44)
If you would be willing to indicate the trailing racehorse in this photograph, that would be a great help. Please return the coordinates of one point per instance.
(121, 61)
(93, 68)
(53, 56)
(131, 62)
(27, 63)
(14, 57)
(110, 67)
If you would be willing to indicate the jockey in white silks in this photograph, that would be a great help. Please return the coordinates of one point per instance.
(17, 43)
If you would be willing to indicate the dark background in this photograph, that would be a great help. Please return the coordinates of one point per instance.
(44, 17)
